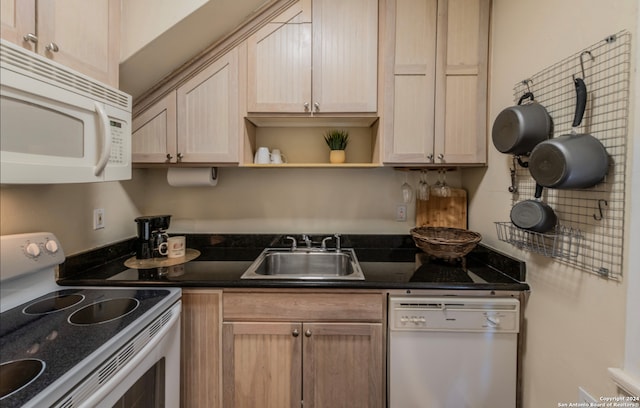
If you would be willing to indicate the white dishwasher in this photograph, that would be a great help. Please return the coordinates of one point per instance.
(453, 352)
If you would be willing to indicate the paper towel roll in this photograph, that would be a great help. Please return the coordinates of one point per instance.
(192, 176)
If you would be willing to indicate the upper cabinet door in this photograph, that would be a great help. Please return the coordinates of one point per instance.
(410, 118)
(17, 19)
(461, 87)
(345, 56)
(435, 106)
(328, 65)
(154, 133)
(208, 114)
(279, 63)
(83, 35)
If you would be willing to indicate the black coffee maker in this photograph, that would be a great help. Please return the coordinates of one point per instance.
(151, 236)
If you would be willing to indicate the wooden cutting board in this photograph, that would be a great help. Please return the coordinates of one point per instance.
(443, 211)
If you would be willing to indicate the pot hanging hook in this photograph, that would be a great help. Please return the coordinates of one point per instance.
(600, 216)
(582, 61)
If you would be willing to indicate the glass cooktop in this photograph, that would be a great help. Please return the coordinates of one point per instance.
(44, 339)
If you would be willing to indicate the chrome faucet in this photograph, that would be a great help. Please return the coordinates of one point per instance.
(338, 249)
(294, 242)
(323, 246)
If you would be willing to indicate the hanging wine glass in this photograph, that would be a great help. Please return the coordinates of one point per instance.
(436, 188)
(407, 190)
(445, 190)
(423, 189)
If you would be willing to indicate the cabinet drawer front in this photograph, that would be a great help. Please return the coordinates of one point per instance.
(317, 307)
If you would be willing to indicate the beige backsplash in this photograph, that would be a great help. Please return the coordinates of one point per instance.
(245, 200)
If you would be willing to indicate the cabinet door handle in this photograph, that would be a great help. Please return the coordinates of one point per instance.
(441, 156)
(180, 156)
(430, 157)
(306, 106)
(169, 157)
(307, 333)
(295, 332)
(317, 106)
(30, 37)
(52, 47)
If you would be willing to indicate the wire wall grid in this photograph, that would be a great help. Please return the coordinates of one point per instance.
(590, 235)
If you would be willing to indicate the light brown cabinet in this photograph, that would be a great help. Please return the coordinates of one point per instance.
(435, 109)
(197, 123)
(154, 133)
(283, 349)
(319, 56)
(82, 35)
(200, 362)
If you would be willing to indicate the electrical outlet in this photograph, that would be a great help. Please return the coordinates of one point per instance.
(584, 396)
(401, 212)
(98, 218)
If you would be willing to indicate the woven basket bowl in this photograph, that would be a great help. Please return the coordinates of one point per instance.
(443, 242)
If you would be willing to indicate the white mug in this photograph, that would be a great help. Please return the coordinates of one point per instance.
(277, 157)
(262, 156)
(176, 246)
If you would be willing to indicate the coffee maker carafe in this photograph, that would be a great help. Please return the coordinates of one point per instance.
(152, 236)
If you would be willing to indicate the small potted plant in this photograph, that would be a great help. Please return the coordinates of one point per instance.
(337, 141)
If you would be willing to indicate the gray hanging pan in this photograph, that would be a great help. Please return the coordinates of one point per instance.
(534, 215)
(574, 160)
(518, 129)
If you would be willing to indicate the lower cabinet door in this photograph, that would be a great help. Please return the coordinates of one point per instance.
(343, 365)
(200, 365)
(262, 365)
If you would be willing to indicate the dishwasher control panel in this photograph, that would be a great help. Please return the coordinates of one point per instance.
(412, 313)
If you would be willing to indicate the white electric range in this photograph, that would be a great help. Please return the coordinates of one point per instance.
(79, 346)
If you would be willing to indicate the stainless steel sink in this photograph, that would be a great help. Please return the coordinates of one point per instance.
(284, 263)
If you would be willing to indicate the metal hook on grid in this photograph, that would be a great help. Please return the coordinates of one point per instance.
(526, 83)
(600, 216)
(582, 62)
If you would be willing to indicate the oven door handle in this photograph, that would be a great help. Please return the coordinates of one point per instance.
(96, 399)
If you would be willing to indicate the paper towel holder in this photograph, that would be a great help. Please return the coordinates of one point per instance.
(180, 176)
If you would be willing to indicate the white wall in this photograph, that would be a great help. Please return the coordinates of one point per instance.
(632, 361)
(575, 322)
(144, 20)
(67, 211)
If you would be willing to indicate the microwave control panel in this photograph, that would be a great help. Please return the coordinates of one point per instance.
(118, 151)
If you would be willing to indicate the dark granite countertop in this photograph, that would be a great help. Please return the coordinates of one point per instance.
(388, 262)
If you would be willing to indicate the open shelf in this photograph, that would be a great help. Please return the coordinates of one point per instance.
(302, 144)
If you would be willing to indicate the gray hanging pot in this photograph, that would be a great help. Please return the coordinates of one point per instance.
(518, 129)
(573, 160)
(534, 215)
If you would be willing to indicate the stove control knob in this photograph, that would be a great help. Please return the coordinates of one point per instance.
(51, 246)
(33, 249)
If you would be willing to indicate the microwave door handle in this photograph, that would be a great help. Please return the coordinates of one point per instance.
(106, 139)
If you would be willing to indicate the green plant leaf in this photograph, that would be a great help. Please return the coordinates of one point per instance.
(337, 139)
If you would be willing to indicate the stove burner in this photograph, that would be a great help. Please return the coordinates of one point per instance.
(103, 311)
(17, 374)
(53, 304)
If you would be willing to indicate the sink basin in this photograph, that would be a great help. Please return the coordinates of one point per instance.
(283, 263)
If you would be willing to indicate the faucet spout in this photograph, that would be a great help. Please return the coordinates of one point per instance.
(294, 242)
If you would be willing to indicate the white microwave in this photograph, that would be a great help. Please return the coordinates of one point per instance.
(58, 125)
